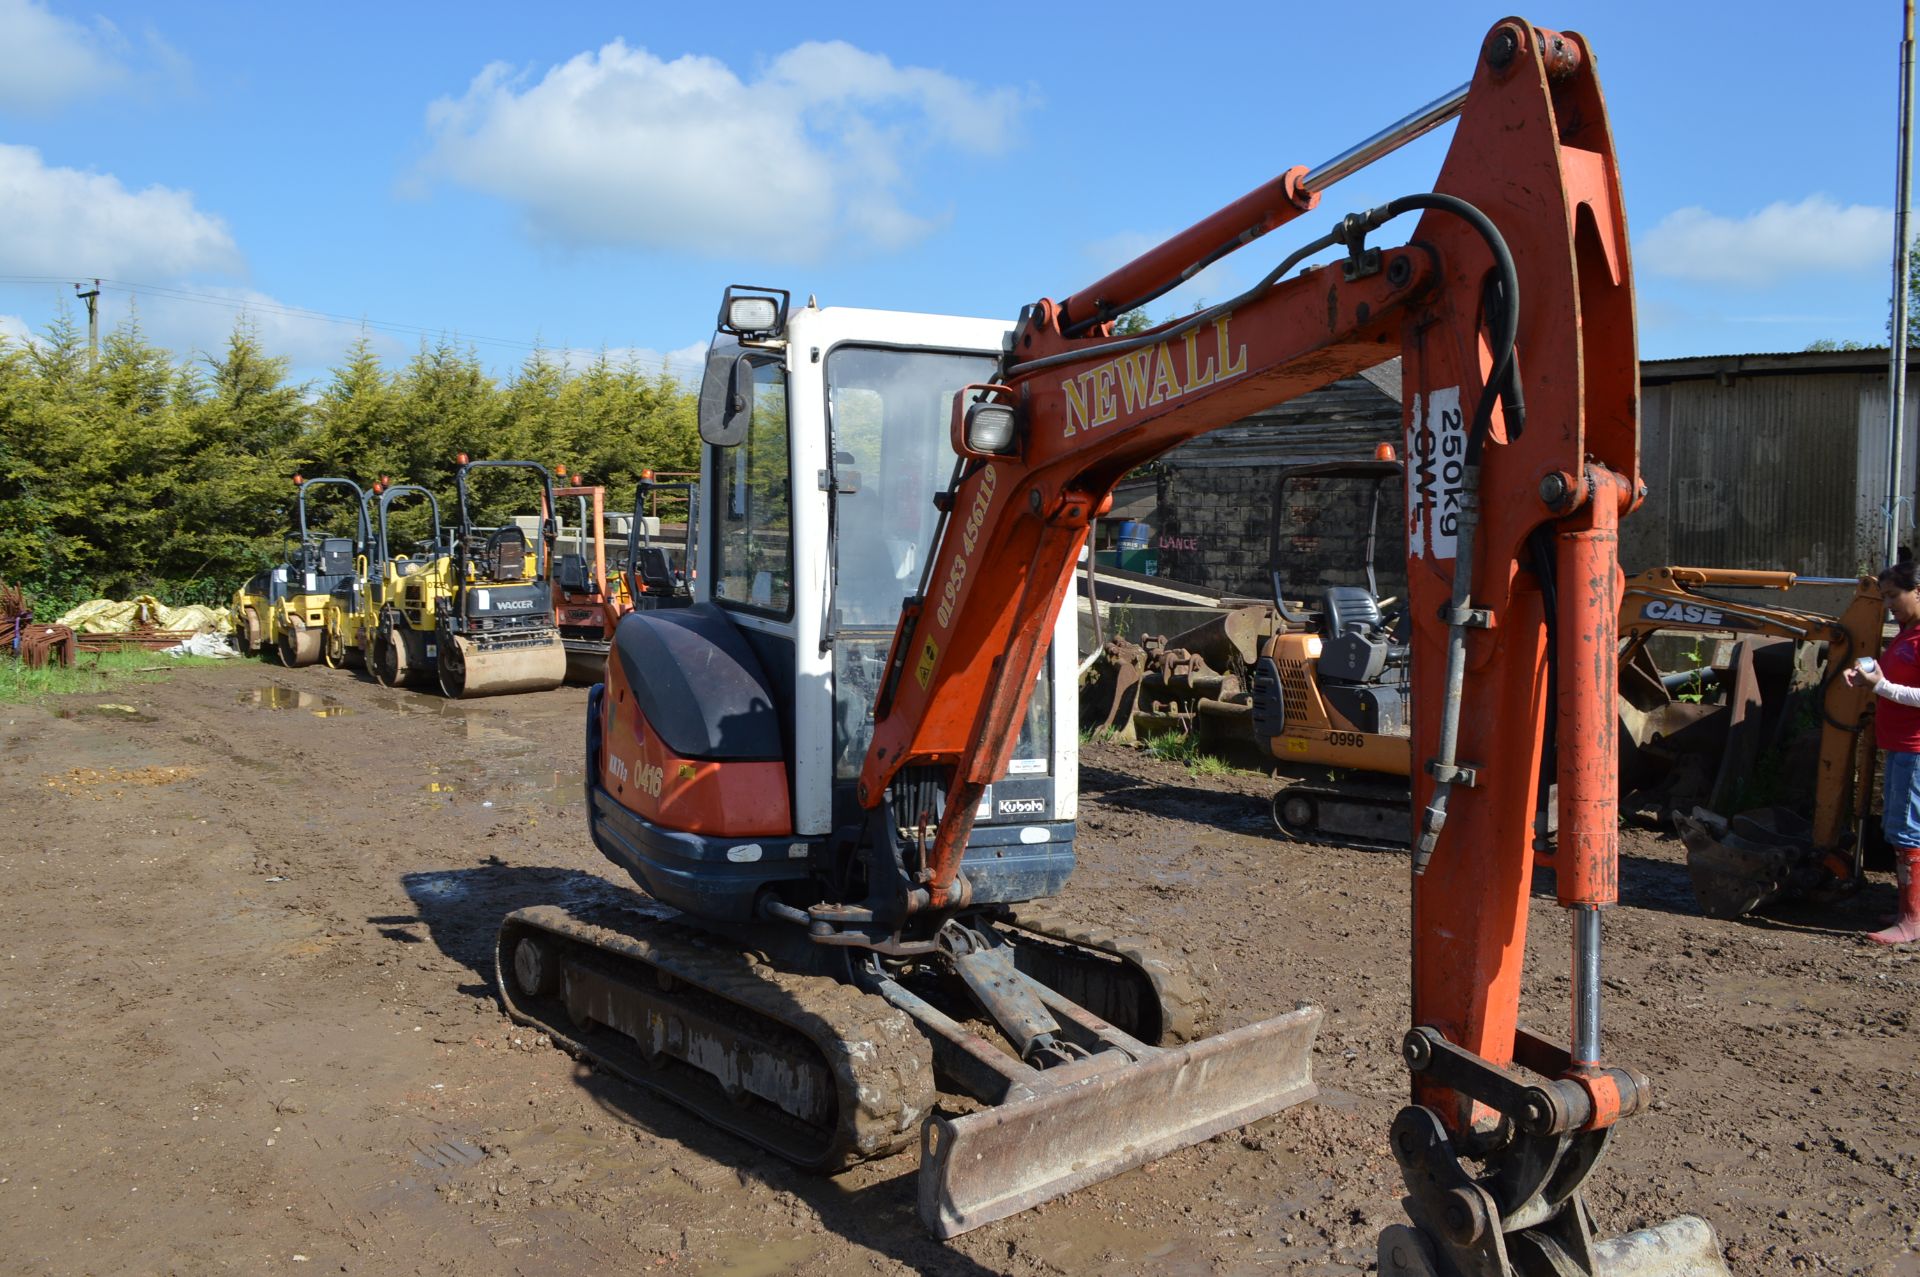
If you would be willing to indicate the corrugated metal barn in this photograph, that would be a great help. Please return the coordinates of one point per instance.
(1766, 461)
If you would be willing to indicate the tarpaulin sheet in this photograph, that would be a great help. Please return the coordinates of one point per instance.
(104, 616)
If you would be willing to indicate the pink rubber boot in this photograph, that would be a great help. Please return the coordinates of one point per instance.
(1906, 923)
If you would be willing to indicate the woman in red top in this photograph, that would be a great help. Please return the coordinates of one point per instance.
(1896, 721)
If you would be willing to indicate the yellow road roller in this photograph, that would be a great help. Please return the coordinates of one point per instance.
(495, 631)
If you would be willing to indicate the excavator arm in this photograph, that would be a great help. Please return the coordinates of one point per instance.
(1511, 305)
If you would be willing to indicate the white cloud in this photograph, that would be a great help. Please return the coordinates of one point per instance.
(1781, 240)
(68, 222)
(47, 60)
(618, 147)
(16, 331)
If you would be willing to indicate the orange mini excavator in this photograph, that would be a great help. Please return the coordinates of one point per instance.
(849, 766)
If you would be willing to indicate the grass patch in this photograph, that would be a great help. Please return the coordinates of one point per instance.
(1173, 747)
(93, 674)
(1178, 747)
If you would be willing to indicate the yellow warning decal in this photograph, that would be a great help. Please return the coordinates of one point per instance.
(929, 654)
(1294, 744)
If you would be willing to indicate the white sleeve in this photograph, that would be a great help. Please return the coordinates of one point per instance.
(1899, 695)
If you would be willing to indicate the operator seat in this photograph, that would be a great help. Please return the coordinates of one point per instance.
(507, 549)
(656, 570)
(1357, 646)
(1349, 609)
(572, 574)
(336, 557)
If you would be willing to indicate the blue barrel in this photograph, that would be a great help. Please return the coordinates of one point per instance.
(1133, 536)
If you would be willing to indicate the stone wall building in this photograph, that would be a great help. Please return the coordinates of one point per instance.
(1224, 516)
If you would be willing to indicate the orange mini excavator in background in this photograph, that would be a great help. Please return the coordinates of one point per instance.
(854, 802)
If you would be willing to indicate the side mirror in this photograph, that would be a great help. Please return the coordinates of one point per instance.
(726, 398)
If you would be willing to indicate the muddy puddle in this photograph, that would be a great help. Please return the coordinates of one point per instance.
(276, 697)
(512, 788)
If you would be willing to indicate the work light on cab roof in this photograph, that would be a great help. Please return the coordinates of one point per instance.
(754, 314)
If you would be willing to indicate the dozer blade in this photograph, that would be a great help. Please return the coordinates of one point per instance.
(1063, 1135)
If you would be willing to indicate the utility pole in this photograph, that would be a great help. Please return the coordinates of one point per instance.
(1897, 343)
(92, 296)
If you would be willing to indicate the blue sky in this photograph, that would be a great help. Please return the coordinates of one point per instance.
(592, 175)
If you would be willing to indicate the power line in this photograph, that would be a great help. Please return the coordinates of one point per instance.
(248, 305)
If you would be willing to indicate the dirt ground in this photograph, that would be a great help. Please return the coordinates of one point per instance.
(250, 1024)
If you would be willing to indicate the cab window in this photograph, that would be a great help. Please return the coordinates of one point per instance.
(753, 515)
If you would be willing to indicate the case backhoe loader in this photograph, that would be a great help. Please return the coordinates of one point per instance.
(851, 763)
(1723, 723)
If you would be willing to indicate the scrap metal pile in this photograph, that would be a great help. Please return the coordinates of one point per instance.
(36, 645)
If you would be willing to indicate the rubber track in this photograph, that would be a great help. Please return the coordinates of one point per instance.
(881, 1064)
(1344, 842)
(1183, 1006)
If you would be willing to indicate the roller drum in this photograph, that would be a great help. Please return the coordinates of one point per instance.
(468, 670)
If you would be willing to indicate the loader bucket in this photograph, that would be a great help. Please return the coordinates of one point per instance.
(469, 671)
(1000, 1161)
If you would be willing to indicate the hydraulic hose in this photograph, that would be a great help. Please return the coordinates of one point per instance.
(1502, 306)
(1502, 386)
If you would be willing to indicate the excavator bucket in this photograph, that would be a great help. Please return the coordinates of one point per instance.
(1681, 1247)
(1074, 1126)
(1748, 862)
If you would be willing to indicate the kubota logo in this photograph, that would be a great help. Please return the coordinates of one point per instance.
(1021, 806)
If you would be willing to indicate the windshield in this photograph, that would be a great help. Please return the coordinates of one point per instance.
(890, 412)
